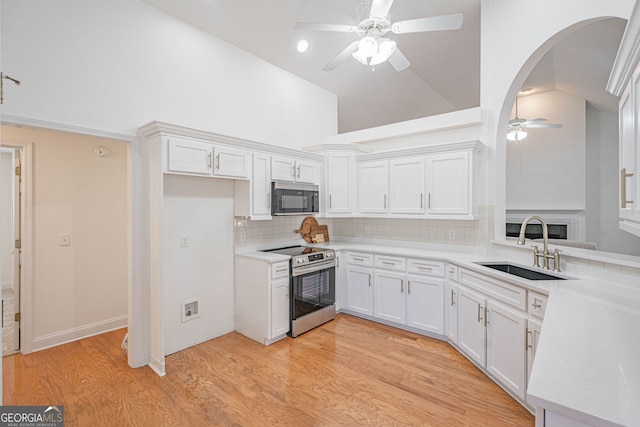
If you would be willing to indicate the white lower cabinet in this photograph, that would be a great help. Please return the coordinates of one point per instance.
(261, 299)
(506, 356)
(359, 290)
(339, 280)
(533, 335)
(389, 299)
(424, 303)
(472, 333)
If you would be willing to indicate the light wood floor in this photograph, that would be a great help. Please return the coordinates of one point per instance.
(346, 372)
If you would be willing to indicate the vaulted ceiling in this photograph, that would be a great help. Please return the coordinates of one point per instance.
(444, 75)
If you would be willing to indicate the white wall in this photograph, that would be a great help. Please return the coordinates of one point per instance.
(202, 210)
(510, 48)
(116, 65)
(79, 289)
(602, 185)
(546, 170)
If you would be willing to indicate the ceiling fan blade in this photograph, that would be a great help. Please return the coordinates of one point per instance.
(538, 120)
(342, 56)
(398, 60)
(542, 126)
(432, 23)
(312, 26)
(380, 9)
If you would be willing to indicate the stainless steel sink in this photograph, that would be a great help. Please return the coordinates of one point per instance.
(520, 271)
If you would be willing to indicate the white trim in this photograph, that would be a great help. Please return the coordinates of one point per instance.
(44, 124)
(628, 55)
(74, 334)
(157, 366)
(476, 146)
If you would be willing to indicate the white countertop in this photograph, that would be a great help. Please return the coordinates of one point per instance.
(587, 362)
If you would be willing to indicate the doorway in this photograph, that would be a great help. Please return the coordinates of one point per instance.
(10, 203)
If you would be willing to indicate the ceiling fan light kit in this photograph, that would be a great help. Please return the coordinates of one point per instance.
(373, 48)
(517, 125)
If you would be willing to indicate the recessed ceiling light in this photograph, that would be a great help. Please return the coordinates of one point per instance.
(526, 90)
(302, 46)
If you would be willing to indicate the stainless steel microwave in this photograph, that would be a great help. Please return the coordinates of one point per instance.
(288, 198)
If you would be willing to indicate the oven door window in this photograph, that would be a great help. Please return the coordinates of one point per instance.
(313, 291)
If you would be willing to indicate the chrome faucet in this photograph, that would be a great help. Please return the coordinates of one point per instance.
(545, 250)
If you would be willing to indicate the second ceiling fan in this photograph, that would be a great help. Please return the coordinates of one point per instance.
(373, 48)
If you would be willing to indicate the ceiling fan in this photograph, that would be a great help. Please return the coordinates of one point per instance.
(517, 126)
(373, 48)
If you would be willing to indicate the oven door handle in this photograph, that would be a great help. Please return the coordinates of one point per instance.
(299, 271)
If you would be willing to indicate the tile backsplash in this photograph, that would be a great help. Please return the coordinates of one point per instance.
(476, 232)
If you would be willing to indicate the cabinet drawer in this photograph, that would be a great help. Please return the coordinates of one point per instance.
(360, 259)
(425, 266)
(390, 262)
(496, 289)
(452, 272)
(280, 269)
(537, 304)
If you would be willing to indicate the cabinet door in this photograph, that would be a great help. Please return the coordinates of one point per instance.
(451, 312)
(425, 309)
(359, 290)
(307, 171)
(472, 332)
(188, 156)
(506, 355)
(533, 335)
(407, 186)
(629, 154)
(261, 185)
(448, 184)
(339, 280)
(373, 187)
(389, 296)
(283, 168)
(339, 183)
(231, 162)
(279, 307)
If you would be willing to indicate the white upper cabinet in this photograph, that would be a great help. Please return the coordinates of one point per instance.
(294, 170)
(261, 185)
(188, 156)
(624, 82)
(407, 186)
(231, 162)
(373, 187)
(449, 184)
(340, 183)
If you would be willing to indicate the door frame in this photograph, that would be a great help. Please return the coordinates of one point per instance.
(26, 232)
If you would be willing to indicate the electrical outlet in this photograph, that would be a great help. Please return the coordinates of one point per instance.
(452, 234)
(184, 241)
(367, 229)
(243, 235)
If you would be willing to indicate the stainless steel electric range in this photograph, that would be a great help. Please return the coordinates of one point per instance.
(312, 287)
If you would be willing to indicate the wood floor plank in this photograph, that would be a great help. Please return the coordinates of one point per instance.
(347, 372)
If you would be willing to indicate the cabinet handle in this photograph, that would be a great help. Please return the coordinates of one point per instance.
(369, 280)
(338, 261)
(486, 316)
(421, 200)
(388, 263)
(408, 286)
(623, 188)
(298, 171)
(209, 164)
(294, 171)
(535, 305)
(429, 200)
(453, 294)
(402, 286)
(385, 201)
(425, 268)
(269, 200)
(528, 346)
(218, 162)
(281, 270)
(479, 313)
(358, 259)
(330, 201)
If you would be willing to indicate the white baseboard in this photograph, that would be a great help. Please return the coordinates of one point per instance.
(157, 366)
(7, 285)
(74, 334)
